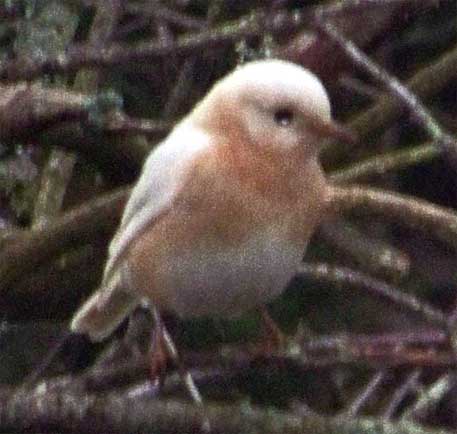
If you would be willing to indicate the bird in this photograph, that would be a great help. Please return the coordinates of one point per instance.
(224, 207)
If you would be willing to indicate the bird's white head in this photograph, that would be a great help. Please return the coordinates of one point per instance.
(270, 103)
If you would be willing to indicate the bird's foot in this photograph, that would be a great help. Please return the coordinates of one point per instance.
(272, 340)
(158, 357)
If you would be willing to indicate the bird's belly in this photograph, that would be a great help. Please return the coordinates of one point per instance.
(228, 282)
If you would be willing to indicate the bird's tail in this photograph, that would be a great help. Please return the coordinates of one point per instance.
(99, 316)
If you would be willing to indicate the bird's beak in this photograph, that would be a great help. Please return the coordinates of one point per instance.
(332, 130)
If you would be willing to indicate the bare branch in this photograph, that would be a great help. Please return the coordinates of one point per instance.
(88, 56)
(403, 209)
(443, 139)
(74, 411)
(343, 275)
(374, 255)
(28, 106)
(352, 6)
(409, 386)
(382, 164)
(94, 220)
(430, 396)
(228, 33)
(432, 337)
(424, 83)
(370, 390)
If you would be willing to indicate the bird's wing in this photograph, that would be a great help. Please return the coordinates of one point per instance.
(160, 181)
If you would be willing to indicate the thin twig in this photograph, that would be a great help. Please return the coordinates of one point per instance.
(230, 32)
(382, 164)
(425, 83)
(55, 178)
(186, 22)
(430, 395)
(370, 390)
(442, 138)
(408, 386)
(343, 275)
(420, 337)
(349, 7)
(88, 56)
(379, 257)
(119, 123)
(180, 92)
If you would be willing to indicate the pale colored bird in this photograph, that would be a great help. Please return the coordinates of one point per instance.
(224, 207)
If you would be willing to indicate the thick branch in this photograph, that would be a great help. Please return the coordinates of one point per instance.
(25, 106)
(22, 411)
(93, 220)
(417, 213)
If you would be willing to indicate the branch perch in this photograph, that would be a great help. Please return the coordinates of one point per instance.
(79, 412)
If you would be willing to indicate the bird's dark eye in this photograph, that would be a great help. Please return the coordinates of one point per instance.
(284, 117)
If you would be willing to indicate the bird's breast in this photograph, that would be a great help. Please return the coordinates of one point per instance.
(224, 247)
(226, 281)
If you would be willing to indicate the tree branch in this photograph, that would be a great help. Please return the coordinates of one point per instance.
(417, 213)
(95, 219)
(443, 139)
(74, 411)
